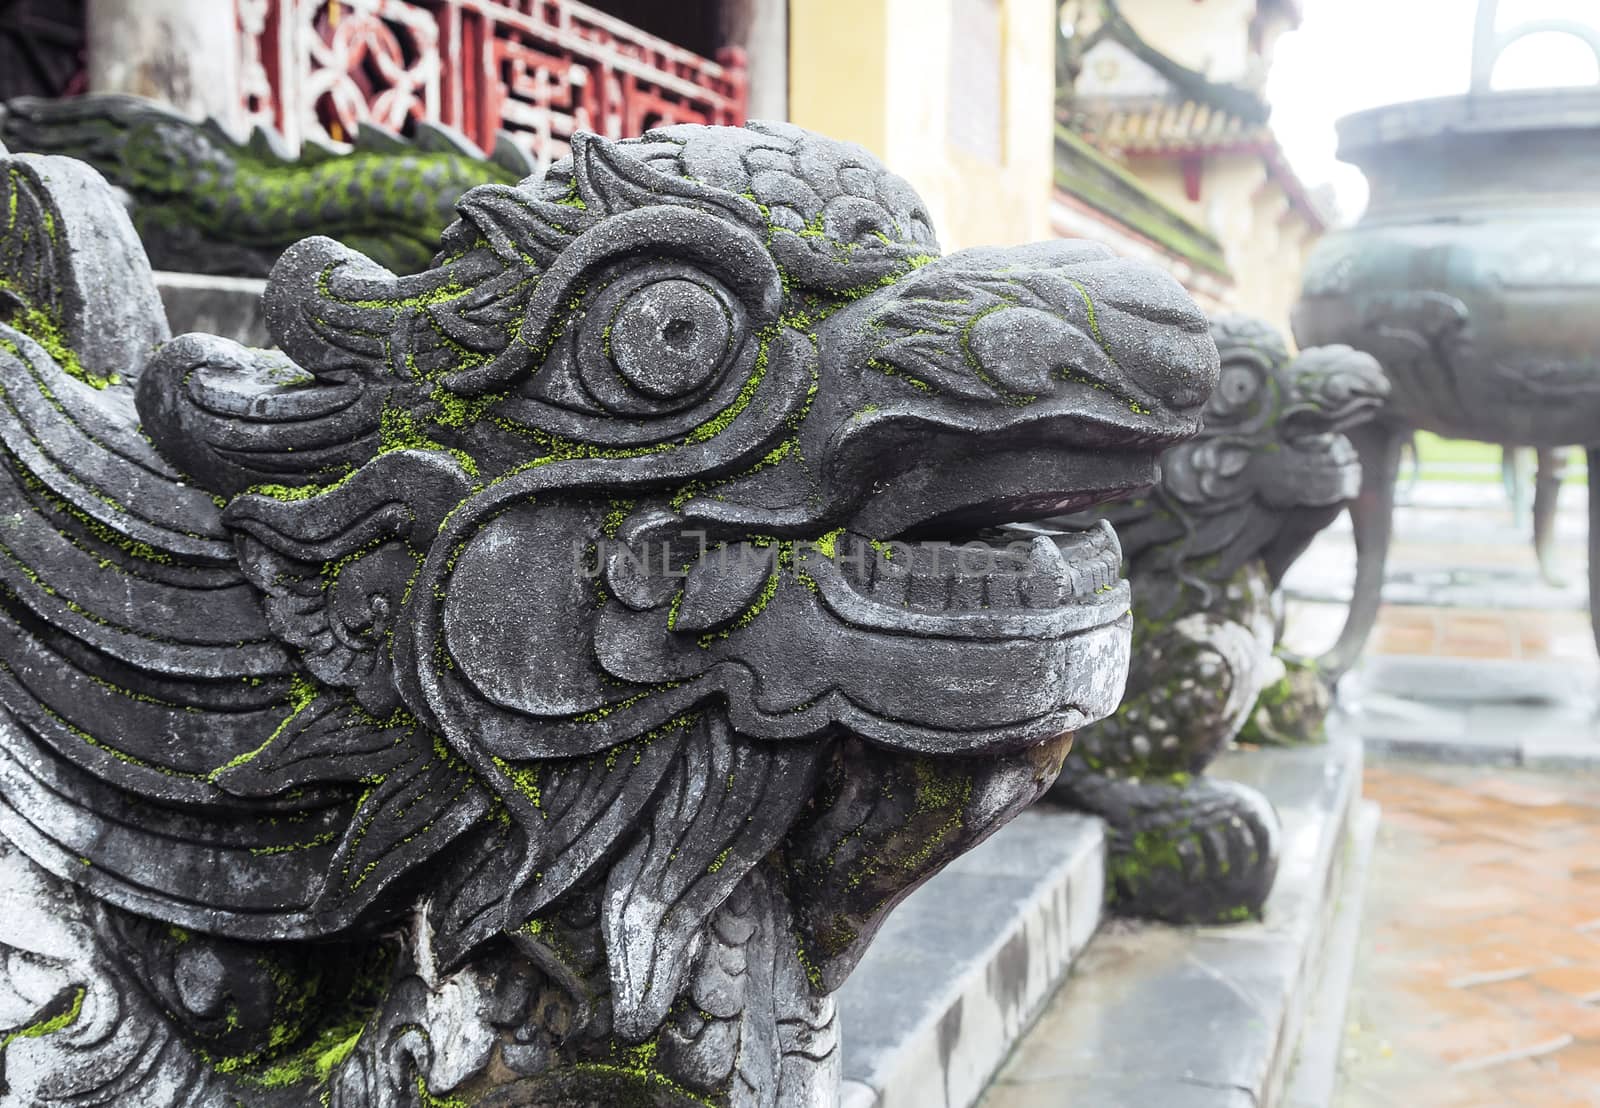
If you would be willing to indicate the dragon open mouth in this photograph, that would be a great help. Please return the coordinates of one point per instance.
(981, 571)
(1311, 424)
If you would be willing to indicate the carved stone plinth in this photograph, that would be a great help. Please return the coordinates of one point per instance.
(1205, 551)
(536, 681)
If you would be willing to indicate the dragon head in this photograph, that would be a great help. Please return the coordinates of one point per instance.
(670, 408)
(649, 551)
(1272, 465)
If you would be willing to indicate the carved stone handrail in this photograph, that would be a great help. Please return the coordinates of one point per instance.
(1206, 550)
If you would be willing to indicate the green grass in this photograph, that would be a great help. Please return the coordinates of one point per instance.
(1431, 448)
(1463, 461)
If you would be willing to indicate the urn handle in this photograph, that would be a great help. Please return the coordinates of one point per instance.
(1488, 44)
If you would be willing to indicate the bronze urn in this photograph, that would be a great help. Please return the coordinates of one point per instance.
(1473, 277)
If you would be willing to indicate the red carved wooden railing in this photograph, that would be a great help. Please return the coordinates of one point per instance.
(537, 69)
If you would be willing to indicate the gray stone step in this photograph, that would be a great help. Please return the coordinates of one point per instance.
(1205, 1017)
(1487, 711)
(226, 306)
(962, 968)
(1315, 1075)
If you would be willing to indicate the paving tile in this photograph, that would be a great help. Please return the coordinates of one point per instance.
(1405, 640)
(1444, 933)
(1492, 962)
(1519, 792)
(1579, 982)
(1477, 640)
(1479, 1042)
(1494, 1009)
(1474, 852)
(1473, 901)
(1559, 943)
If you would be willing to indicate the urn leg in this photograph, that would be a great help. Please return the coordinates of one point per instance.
(1594, 541)
(1372, 513)
(1546, 491)
(1512, 467)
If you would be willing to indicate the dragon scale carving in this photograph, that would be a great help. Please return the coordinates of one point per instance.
(205, 202)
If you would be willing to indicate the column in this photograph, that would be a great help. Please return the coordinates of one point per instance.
(184, 53)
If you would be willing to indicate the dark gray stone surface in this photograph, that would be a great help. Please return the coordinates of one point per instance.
(1225, 1004)
(1206, 551)
(538, 680)
(964, 965)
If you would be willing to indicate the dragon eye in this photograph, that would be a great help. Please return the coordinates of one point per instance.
(670, 338)
(1241, 389)
(650, 340)
(1236, 385)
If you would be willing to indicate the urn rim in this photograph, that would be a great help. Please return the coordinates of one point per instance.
(1572, 109)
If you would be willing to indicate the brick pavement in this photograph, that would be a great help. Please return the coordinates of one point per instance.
(1529, 634)
(1478, 982)
(1463, 583)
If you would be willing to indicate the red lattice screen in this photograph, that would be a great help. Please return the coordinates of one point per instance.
(538, 69)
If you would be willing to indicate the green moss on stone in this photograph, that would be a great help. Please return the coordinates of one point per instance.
(48, 1023)
(47, 331)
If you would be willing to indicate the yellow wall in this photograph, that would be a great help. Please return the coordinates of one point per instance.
(1263, 238)
(877, 72)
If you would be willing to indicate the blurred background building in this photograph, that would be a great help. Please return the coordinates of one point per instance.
(1165, 138)
(1140, 123)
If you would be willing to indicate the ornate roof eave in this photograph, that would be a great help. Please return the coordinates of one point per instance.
(1160, 129)
(1097, 182)
(1279, 171)
(1189, 84)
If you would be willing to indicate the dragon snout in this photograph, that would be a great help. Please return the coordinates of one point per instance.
(1063, 324)
(1333, 388)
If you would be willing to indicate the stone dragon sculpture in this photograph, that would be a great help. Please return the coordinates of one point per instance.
(496, 695)
(206, 202)
(1205, 552)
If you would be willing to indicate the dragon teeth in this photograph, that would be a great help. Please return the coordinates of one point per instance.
(929, 590)
(967, 592)
(1002, 590)
(1041, 572)
(890, 582)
